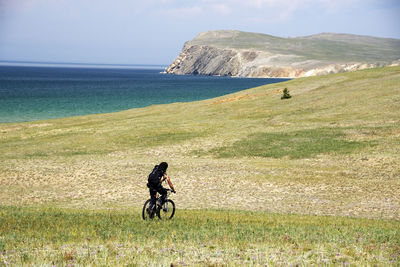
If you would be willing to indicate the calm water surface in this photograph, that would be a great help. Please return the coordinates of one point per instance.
(35, 93)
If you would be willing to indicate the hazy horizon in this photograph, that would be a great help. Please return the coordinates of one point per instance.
(10, 63)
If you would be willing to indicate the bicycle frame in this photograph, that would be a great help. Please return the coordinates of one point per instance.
(158, 195)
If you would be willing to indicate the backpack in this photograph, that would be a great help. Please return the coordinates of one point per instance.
(154, 177)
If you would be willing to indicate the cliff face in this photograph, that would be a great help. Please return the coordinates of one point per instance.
(207, 60)
(233, 53)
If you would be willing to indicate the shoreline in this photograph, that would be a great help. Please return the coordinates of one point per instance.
(185, 89)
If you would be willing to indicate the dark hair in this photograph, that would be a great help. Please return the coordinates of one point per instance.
(163, 166)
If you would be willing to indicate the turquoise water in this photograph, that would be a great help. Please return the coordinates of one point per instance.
(36, 93)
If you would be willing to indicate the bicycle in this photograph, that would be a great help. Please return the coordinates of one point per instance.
(166, 212)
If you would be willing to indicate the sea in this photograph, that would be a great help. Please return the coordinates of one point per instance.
(29, 93)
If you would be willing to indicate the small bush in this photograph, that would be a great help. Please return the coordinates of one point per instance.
(286, 94)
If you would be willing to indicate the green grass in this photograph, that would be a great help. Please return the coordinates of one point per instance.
(295, 145)
(208, 238)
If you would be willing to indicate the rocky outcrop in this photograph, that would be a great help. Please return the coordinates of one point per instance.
(205, 60)
(207, 55)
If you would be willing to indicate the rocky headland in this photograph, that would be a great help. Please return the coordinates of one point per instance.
(243, 54)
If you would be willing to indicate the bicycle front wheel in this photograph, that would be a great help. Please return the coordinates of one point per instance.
(146, 212)
(167, 211)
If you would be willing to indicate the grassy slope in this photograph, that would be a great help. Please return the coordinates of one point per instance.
(329, 47)
(349, 167)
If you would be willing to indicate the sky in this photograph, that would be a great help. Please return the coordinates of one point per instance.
(154, 31)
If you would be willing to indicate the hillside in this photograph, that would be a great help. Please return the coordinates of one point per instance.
(244, 54)
(332, 149)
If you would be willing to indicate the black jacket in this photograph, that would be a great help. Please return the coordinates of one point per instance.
(155, 176)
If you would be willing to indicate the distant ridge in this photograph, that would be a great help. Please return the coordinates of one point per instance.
(346, 37)
(244, 54)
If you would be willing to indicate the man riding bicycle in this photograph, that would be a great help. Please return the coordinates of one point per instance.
(156, 177)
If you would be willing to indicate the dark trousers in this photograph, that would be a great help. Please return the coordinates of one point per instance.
(161, 190)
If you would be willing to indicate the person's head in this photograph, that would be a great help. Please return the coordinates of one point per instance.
(163, 166)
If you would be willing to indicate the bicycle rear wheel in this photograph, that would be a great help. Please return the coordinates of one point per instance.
(146, 212)
(167, 211)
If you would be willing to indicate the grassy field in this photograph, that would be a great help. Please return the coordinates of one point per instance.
(296, 179)
(202, 238)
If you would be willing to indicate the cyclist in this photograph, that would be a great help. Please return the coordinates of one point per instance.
(156, 177)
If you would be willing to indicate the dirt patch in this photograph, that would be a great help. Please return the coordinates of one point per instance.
(323, 186)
